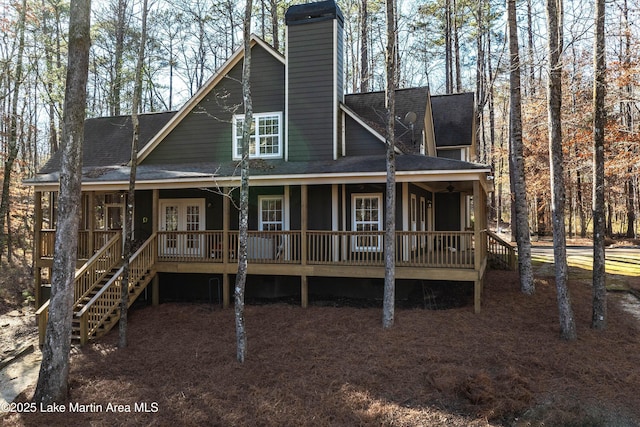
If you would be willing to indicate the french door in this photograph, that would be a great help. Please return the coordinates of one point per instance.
(176, 217)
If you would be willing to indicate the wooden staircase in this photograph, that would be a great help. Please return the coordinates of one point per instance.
(98, 287)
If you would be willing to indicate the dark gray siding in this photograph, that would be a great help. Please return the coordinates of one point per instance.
(340, 57)
(319, 211)
(312, 108)
(359, 141)
(143, 226)
(450, 154)
(206, 133)
(447, 211)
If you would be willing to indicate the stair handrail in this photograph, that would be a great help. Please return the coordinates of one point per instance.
(112, 243)
(83, 313)
(511, 261)
(115, 276)
(42, 314)
(96, 256)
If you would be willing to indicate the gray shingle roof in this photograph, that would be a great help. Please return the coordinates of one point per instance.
(370, 107)
(107, 144)
(344, 165)
(107, 140)
(453, 117)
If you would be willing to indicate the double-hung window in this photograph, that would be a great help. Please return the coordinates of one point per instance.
(271, 213)
(367, 217)
(265, 140)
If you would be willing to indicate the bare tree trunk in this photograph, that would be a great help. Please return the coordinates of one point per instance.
(448, 62)
(532, 73)
(456, 47)
(118, 54)
(515, 136)
(631, 213)
(581, 212)
(273, 6)
(131, 197)
(54, 370)
(241, 277)
(609, 231)
(599, 314)
(388, 310)
(364, 48)
(13, 146)
(48, 34)
(554, 95)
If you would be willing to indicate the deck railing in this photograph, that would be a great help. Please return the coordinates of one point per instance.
(100, 238)
(97, 267)
(502, 253)
(105, 303)
(444, 249)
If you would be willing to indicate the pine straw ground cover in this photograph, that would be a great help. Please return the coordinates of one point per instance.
(336, 366)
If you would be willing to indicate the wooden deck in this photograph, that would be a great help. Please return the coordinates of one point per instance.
(423, 255)
(452, 256)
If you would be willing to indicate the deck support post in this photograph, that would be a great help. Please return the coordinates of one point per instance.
(478, 244)
(477, 296)
(304, 285)
(304, 291)
(225, 291)
(226, 247)
(155, 290)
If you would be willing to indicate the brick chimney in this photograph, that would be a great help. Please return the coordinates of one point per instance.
(314, 80)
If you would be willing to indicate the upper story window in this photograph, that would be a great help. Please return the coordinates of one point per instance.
(265, 140)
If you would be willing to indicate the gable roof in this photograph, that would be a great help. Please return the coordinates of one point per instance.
(371, 108)
(235, 58)
(454, 119)
(107, 140)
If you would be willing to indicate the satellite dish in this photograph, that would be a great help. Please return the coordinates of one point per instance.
(410, 117)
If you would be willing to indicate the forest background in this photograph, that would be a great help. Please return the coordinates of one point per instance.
(451, 45)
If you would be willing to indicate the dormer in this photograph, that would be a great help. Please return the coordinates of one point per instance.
(454, 124)
(313, 80)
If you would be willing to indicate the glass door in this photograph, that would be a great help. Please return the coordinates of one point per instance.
(176, 217)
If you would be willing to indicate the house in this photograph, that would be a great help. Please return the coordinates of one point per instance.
(317, 177)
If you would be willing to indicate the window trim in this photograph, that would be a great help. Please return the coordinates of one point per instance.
(256, 136)
(354, 243)
(261, 199)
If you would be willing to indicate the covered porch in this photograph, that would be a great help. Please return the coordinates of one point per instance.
(206, 240)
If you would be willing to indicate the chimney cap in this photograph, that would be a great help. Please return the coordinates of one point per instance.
(313, 12)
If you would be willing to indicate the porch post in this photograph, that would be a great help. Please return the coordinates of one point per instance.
(226, 212)
(155, 214)
(304, 285)
(37, 247)
(477, 251)
(92, 222)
